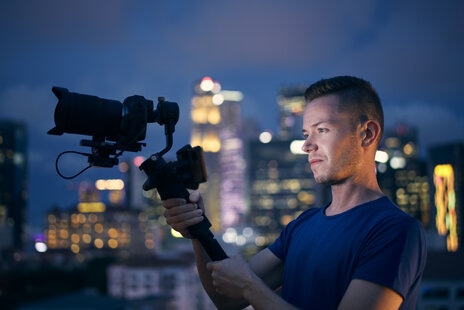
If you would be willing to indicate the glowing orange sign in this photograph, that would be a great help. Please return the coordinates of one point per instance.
(445, 202)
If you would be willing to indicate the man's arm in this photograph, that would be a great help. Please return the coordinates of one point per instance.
(367, 295)
(254, 283)
(265, 267)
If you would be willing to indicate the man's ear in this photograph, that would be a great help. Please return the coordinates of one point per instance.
(370, 133)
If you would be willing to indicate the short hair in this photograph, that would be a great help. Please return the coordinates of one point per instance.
(357, 95)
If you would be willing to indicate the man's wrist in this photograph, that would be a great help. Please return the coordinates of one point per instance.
(253, 287)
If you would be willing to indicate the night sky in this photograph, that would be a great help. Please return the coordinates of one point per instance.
(411, 51)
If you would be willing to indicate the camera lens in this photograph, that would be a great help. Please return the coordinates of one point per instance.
(87, 115)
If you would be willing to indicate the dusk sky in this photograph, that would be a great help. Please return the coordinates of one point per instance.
(411, 51)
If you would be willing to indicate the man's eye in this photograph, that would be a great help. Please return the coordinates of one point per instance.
(321, 130)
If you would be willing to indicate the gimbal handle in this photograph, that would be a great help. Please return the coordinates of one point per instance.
(199, 231)
(168, 185)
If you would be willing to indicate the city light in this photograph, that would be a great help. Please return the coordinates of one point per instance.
(206, 84)
(218, 99)
(232, 236)
(296, 147)
(381, 156)
(232, 95)
(123, 167)
(227, 95)
(110, 184)
(397, 162)
(138, 160)
(445, 203)
(265, 137)
(40, 247)
(214, 116)
(87, 207)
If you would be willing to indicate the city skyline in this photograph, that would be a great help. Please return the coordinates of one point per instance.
(411, 52)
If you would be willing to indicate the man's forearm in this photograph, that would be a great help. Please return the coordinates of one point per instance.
(257, 293)
(261, 297)
(221, 301)
(201, 260)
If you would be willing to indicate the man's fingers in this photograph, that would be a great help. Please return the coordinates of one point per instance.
(181, 209)
(194, 196)
(183, 216)
(173, 202)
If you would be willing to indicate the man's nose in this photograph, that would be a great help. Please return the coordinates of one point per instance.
(308, 146)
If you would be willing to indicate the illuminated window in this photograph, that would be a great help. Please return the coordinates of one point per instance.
(113, 243)
(98, 228)
(75, 248)
(214, 116)
(112, 233)
(211, 142)
(51, 219)
(98, 243)
(75, 238)
(86, 238)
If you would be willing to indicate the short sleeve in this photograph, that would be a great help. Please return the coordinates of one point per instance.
(394, 255)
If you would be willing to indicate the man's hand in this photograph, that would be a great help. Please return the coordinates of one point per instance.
(180, 215)
(232, 276)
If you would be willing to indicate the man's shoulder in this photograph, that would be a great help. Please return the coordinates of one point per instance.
(390, 214)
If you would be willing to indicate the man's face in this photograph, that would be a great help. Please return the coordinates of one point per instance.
(332, 141)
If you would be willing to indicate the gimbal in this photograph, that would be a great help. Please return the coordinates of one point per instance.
(116, 127)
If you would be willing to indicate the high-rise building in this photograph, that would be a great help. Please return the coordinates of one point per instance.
(446, 170)
(402, 174)
(13, 184)
(216, 127)
(291, 104)
(281, 187)
(232, 161)
(281, 181)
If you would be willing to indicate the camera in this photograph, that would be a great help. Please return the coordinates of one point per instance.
(116, 127)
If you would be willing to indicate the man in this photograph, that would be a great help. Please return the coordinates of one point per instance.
(358, 252)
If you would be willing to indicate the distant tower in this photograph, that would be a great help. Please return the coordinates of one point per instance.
(13, 184)
(402, 174)
(282, 186)
(291, 106)
(216, 127)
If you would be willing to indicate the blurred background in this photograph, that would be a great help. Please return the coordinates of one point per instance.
(238, 71)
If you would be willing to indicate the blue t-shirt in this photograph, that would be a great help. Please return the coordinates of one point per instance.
(375, 242)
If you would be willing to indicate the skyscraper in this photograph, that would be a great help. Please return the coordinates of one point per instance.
(281, 187)
(402, 174)
(13, 184)
(216, 127)
(291, 104)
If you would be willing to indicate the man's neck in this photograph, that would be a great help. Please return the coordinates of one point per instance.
(345, 197)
